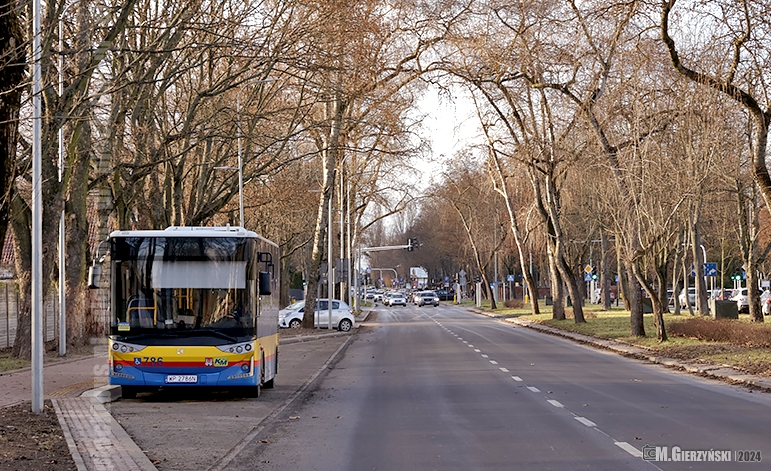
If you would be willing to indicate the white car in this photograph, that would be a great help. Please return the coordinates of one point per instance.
(342, 315)
(396, 298)
(741, 299)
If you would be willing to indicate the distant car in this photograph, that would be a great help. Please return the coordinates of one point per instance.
(426, 297)
(739, 296)
(396, 299)
(765, 302)
(445, 295)
(598, 295)
(690, 299)
(342, 315)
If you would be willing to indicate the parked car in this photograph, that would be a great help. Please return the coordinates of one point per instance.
(395, 299)
(742, 300)
(765, 302)
(445, 295)
(690, 300)
(342, 315)
(598, 295)
(426, 297)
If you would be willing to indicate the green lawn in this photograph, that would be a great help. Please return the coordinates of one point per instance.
(7, 363)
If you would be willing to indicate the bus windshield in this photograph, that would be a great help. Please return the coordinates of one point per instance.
(191, 288)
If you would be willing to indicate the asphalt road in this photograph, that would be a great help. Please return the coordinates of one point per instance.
(443, 389)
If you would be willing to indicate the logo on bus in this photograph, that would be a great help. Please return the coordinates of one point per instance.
(209, 362)
(137, 361)
(220, 362)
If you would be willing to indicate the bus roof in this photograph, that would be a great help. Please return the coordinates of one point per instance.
(188, 231)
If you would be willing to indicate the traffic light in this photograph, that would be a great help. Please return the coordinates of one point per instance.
(410, 245)
(737, 276)
(594, 274)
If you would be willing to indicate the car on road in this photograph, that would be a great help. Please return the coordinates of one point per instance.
(426, 297)
(445, 295)
(342, 315)
(395, 299)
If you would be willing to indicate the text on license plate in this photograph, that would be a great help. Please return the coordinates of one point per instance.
(181, 378)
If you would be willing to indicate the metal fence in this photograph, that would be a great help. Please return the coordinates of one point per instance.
(9, 308)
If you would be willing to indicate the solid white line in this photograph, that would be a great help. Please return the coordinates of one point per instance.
(554, 403)
(504, 370)
(586, 421)
(533, 388)
(629, 449)
(485, 356)
(516, 378)
(493, 362)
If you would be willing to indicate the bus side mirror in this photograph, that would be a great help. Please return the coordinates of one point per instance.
(264, 283)
(94, 275)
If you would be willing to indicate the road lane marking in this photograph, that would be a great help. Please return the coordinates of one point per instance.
(516, 378)
(555, 403)
(585, 421)
(493, 362)
(470, 346)
(629, 449)
(504, 370)
(477, 350)
(534, 389)
(485, 356)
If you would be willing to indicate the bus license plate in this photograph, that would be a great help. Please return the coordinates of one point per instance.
(181, 378)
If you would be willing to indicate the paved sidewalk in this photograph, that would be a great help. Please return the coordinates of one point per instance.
(95, 439)
(721, 372)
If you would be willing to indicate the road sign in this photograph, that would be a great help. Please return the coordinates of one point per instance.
(710, 269)
(588, 277)
(588, 269)
(509, 277)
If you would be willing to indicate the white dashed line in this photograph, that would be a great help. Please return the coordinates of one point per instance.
(629, 449)
(586, 421)
(493, 362)
(554, 403)
(534, 389)
(485, 356)
(477, 350)
(516, 378)
(504, 370)
(470, 346)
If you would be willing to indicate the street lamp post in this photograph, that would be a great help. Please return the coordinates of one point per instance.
(37, 216)
(330, 259)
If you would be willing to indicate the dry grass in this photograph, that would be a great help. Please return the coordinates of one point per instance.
(736, 332)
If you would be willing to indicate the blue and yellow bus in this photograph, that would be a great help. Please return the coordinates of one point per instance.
(193, 307)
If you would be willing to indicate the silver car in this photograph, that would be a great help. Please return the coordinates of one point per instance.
(342, 315)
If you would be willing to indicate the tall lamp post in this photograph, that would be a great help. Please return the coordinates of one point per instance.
(37, 218)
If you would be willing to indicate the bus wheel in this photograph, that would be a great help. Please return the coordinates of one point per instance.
(128, 392)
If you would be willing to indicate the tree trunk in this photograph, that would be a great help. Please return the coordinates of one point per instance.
(557, 291)
(329, 155)
(21, 222)
(633, 294)
(605, 271)
(12, 65)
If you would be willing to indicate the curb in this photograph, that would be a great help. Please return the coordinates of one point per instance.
(715, 371)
